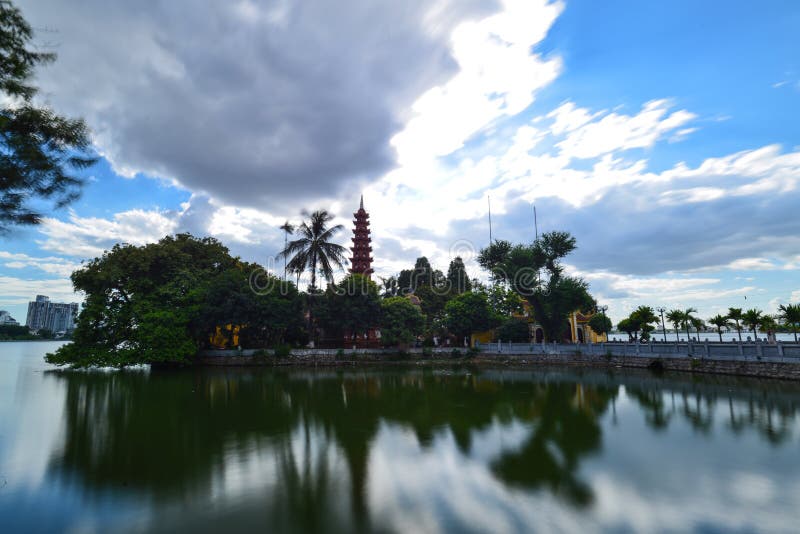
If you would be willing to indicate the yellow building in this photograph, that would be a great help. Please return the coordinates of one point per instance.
(579, 330)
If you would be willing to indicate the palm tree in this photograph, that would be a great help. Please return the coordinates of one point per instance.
(790, 314)
(689, 320)
(752, 318)
(720, 321)
(288, 228)
(768, 324)
(314, 251)
(676, 318)
(736, 315)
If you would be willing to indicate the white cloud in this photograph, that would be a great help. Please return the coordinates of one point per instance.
(91, 236)
(16, 291)
(616, 132)
(50, 264)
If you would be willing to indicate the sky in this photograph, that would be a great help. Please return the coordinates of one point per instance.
(665, 136)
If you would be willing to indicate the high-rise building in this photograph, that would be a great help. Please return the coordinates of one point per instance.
(6, 319)
(361, 260)
(53, 316)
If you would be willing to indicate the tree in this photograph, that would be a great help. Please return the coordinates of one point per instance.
(600, 324)
(352, 307)
(553, 296)
(457, 280)
(503, 301)
(720, 321)
(163, 301)
(288, 228)
(468, 313)
(768, 324)
(752, 318)
(514, 330)
(401, 321)
(629, 326)
(314, 251)
(41, 150)
(736, 315)
(643, 317)
(688, 320)
(676, 318)
(790, 315)
(389, 287)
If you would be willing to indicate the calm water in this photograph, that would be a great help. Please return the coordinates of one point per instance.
(392, 450)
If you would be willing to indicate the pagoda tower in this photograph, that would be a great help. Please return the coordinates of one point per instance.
(361, 260)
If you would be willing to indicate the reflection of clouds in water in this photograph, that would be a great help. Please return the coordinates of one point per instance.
(439, 488)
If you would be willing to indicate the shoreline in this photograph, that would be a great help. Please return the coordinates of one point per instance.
(659, 363)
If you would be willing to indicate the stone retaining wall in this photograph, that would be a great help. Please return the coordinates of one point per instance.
(761, 369)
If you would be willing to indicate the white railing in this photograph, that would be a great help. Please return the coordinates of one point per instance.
(770, 352)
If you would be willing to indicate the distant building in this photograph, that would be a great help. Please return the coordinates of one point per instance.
(6, 319)
(53, 316)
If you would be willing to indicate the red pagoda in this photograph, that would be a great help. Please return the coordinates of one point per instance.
(361, 260)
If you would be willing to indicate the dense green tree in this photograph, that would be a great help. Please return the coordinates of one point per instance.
(314, 250)
(267, 310)
(41, 151)
(161, 302)
(600, 323)
(536, 274)
(752, 318)
(790, 315)
(629, 326)
(468, 313)
(503, 301)
(457, 280)
(515, 330)
(641, 319)
(737, 316)
(401, 321)
(10, 332)
(351, 307)
(720, 321)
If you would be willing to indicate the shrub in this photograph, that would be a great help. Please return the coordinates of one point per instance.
(282, 351)
(339, 355)
(427, 351)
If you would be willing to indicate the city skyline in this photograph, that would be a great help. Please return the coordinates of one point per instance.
(674, 163)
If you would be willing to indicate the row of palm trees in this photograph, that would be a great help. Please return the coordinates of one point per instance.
(736, 318)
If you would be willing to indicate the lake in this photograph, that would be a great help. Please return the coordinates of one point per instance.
(392, 450)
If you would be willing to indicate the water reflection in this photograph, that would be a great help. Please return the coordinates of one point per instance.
(390, 450)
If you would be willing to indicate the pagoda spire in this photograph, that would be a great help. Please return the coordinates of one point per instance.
(361, 259)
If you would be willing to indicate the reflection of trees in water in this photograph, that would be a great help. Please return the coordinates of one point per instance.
(168, 435)
(772, 417)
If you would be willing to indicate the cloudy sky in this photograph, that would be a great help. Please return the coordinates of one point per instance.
(663, 135)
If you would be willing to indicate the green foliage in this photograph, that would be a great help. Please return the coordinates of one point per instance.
(503, 301)
(12, 332)
(351, 306)
(468, 313)
(752, 318)
(639, 320)
(282, 351)
(401, 322)
(314, 250)
(720, 321)
(600, 323)
(790, 315)
(457, 280)
(737, 316)
(514, 330)
(161, 303)
(40, 151)
(535, 273)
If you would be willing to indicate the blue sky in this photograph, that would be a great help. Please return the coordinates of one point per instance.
(663, 135)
